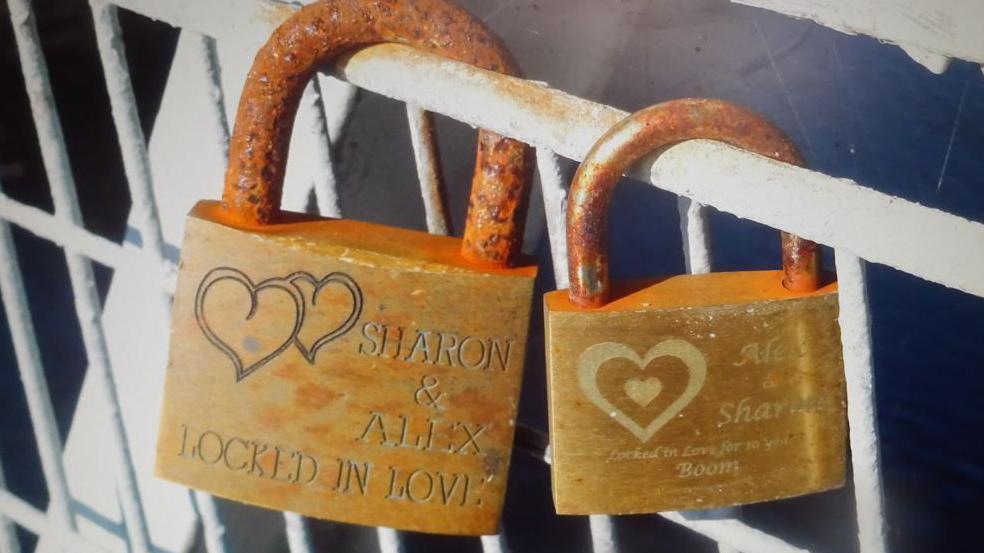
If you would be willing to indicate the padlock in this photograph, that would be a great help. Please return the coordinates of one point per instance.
(340, 369)
(689, 391)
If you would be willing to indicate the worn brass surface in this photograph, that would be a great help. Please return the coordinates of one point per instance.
(695, 392)
(344, 370)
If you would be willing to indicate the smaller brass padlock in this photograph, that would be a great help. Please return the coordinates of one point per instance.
(691, 391)
(341, 369)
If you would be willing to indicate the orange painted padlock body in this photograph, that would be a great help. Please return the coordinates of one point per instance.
(341, 369)
(690, 391)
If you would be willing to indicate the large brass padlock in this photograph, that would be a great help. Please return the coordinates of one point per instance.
(341, 369)
(691, 391)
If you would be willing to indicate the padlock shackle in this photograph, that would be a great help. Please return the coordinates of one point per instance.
(319, 32)
(641, 133)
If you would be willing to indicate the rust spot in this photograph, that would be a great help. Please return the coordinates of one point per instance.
(304, 42)
(650, 129)
(312, 397)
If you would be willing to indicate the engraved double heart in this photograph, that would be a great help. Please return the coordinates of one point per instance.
(642, 391)
(253, 323)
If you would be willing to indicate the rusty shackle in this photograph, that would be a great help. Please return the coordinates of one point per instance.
(641, 133)
(314, 35)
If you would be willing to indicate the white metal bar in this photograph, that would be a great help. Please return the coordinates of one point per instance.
(87, 310)
(213, 528)
(205, 48)
(18, 314)
(389, 540)
(734, 533)
(428, 168)
(423, 138)
(35, 521)
(46, 123)
(87, 305)
(495, 544)
(554, 191)
(133, 145)
(925, 28)
(855, 325)
(298, 539)
(602, 534)
(916, 239)
(8, 530)
(696, 235)
(43, 421)
(554, 206)
(338, 98)
(73, 237)
(325, 184)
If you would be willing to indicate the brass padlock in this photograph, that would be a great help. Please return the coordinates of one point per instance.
(341, 369)
(689, 391)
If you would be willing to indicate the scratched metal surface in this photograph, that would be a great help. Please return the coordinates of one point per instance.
(857, 108)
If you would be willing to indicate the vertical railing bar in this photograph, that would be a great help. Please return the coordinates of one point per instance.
(205, 48)
(31, 369)
(325, 184)
(389, 540)
(87, 307)
(298, 539)
(8, 530)
(495, 544)
(213, 528)
(38, 85)
(136, 166)
(855, 325)
(133, 144)
(422, 137)
(344, 98)
(555, 210)
(696, 236)
(88, 312)
(554, 192)
(602, 534)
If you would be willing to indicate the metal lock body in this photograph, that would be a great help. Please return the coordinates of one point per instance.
(690, 391)
(342, 369)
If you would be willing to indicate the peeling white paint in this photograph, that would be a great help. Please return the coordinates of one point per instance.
(929, 30)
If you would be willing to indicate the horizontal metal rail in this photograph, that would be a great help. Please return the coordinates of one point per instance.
(878, 227)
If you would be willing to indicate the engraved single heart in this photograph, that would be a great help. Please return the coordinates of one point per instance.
(594, 357)
(249, 343)
(643, 392)
(311, 289)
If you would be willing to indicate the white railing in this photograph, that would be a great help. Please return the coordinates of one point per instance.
(916, 239)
